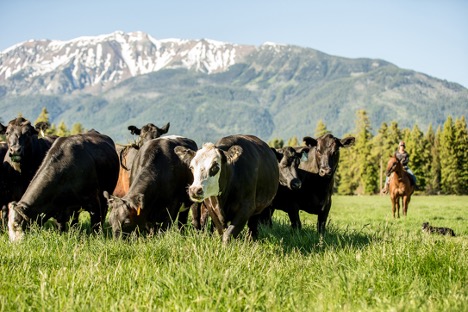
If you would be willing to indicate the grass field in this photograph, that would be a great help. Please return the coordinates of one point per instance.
(366, 262)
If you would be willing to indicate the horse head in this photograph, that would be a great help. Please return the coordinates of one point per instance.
(393, 165)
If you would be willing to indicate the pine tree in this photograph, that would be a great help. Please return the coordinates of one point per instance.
(431, 162)
(77, 128)
(415, 147)
(461, 154)
(43, 116)
(293, 141)
(448, 162)
(276, 143)
(62, 130)
(321, 129)
(346, 178)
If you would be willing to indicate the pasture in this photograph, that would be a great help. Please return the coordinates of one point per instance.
(367, 262)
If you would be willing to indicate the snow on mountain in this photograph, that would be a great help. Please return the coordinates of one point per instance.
(96, 63)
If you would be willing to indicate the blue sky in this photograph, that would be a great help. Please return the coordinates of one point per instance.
(424, 35)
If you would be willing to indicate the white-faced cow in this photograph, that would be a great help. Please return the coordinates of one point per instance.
(317, 177)
(74, 174)
(236, 179)
(128, 152)
(26, 150)
(158, 189)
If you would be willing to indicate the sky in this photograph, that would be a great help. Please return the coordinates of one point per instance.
(429, 36)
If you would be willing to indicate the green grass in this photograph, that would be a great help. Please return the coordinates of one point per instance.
(366, 262)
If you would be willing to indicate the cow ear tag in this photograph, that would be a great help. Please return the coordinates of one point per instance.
(138, 210)
(304, 157)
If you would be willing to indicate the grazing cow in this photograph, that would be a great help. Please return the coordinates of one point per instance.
(236, 179)
(127, 153)
(317, 177)
(158, 187)
(24, 156)
(438, 230)
(74, 174)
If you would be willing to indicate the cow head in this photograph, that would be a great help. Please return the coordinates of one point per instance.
(325, 152)
(17, 221)
(19, 134)
(124, 214)
(207, 166)
(288, 162)
(149, 131)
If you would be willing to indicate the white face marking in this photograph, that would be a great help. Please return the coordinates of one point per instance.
(206, 169)
(14, 229)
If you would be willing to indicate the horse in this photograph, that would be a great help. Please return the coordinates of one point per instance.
(399, 186)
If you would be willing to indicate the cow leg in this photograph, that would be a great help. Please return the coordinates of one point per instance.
(322, 222)
(237, 224)
(253, 226)
(293, 215)
(196, 215)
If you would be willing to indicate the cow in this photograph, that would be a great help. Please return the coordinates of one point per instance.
(236, 179)
(74, 174)
(127, 153)
(158, 189)
(289, 159)
(437, 230)
(317, 177)
(22, 159)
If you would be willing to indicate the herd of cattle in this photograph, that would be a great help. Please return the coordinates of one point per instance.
(147, 185)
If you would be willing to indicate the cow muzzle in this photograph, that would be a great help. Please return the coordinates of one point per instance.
(196, 193)
(325, 171)
(295, 184)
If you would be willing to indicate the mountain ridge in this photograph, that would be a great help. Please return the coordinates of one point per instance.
(209, 88)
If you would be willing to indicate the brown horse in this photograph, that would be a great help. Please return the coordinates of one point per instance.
(399, 186)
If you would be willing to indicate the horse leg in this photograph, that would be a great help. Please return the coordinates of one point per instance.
(405, 205)
(393, 206)
(397, 206)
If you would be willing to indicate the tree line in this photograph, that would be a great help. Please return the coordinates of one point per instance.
(438, 158)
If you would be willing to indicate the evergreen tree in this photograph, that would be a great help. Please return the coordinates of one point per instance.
(43, 116)
(77, 128)
(293, 141)
(321, 129)
(461, 154)
(62, 130)
(383, 148)
(431, 162)
(276, 143)
(346, 177)
(448, 162)
(415, 146)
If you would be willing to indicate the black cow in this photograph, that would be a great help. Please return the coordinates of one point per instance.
(236, 179)
(128, 152)
(317, 177)
(74, 174)
(289, 159)
(149, 131)
(25, 154)
(159, 181)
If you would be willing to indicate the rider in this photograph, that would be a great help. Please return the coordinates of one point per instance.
(403, 158)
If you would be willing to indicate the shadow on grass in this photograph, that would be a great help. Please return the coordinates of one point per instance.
(307, 240)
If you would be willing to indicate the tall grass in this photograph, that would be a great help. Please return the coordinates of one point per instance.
(366, 262)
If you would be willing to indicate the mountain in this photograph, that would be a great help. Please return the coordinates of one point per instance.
(208, 89)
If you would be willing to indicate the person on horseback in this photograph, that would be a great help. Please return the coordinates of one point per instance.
(403, 158)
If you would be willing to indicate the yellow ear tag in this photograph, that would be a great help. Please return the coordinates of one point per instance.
(138, 210)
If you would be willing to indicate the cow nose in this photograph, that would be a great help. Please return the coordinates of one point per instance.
(196, 191)
(15, 149)
(324, 171)
(295, 184)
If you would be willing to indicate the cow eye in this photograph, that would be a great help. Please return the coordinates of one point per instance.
(214, 170)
